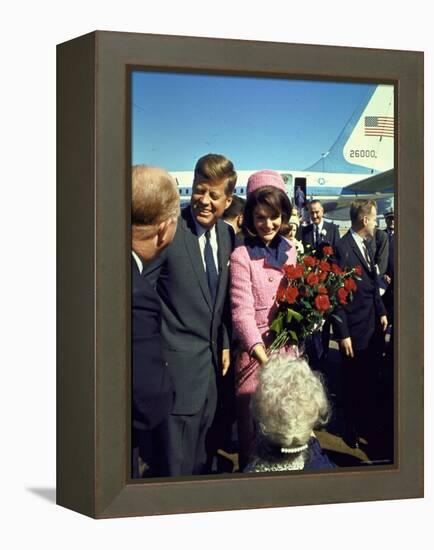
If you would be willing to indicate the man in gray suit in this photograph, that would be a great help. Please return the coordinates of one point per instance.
(191, 278)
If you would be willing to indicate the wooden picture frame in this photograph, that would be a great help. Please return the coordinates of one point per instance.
(94, 244)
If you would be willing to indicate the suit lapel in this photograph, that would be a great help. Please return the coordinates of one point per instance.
(192, 246)
(309, 235)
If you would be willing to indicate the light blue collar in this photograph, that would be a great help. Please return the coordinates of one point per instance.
(275, 254)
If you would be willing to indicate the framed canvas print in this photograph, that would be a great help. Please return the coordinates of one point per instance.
(339, 133)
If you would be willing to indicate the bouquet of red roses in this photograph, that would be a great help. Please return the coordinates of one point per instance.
(308, 294)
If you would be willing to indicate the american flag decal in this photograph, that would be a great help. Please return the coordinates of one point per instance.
(382, 126)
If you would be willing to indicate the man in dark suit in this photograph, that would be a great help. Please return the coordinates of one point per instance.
(155, 210)
(315, 236)
(192, 279)
(361, 327)
(234, 216)
(389, 216)
(319, 232)
(387, 379)
(380, 251)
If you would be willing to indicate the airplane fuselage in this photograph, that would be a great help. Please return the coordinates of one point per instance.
(314, 184)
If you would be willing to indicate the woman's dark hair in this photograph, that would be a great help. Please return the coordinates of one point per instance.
(274, 199)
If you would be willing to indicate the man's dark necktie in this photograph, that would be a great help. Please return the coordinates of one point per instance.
(316, 235)
(368, 257)
(211, 270)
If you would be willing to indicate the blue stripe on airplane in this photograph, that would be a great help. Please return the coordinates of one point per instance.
(316, 191)
(323, 191)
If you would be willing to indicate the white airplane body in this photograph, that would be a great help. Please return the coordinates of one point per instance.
(364, 148)
(318, 184)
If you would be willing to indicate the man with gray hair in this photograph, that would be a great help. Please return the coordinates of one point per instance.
(319, 232)
(316, 236)
(154, 214)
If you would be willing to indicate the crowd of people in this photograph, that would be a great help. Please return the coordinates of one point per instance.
(204, 284)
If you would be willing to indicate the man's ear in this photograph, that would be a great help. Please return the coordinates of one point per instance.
(165, 233)
(162, 233)
(228, 202)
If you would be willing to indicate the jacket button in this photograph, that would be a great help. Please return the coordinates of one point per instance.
(270, 279)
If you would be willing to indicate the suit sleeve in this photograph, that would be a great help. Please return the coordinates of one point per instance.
(382, 251)
(339, 318)
(242, 300)
(379, 305)
(152, 387)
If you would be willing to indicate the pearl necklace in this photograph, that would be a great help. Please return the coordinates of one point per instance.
(260, 466)
(293, 450)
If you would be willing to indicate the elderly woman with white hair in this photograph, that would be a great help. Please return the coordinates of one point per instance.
(288, 403)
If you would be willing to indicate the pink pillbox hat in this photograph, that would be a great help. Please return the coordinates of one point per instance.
(265, 178)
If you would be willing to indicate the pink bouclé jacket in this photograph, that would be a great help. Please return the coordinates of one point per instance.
(253, 289)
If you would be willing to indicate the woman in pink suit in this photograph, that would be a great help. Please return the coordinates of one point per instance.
(256, 272)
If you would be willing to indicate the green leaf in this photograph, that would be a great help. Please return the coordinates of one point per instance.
(336, 317)
(277, 324)
(294, 314)
(293, 336)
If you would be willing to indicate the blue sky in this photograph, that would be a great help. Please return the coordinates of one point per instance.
(256, 122)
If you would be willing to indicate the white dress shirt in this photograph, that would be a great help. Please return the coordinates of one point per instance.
(138, 261)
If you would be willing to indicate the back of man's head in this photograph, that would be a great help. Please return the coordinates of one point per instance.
(360, 208)
(154, 210)
(235, 209)
(155, 197)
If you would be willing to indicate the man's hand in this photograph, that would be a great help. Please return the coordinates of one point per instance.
(383, 322)
(347, 347)
(387, 279)
(226, 361)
